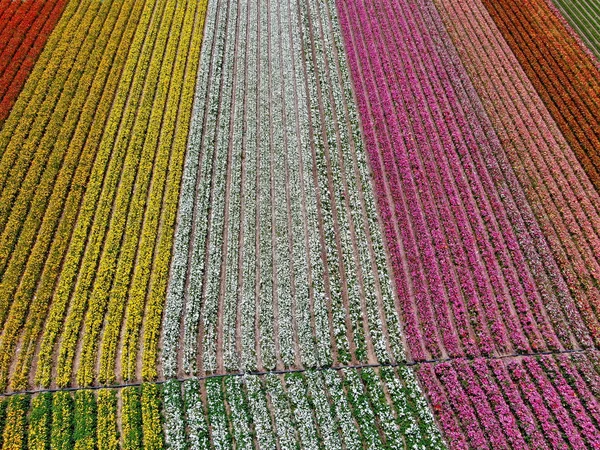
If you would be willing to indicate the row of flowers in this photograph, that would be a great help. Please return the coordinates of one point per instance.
(578, 17)
(563, 74)
(349, 408)
(175, 305)
(86, 250)
(44, 203)
(28, 149)
(466, 272)
(376, 408)
(110, 269)
(84, 419)
(113, 256)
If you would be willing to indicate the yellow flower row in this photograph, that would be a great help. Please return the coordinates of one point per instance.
(31, 181)
(15, 429)
(40, 92)
(141, 213)
(99, 230)
(62, 420)
(131, 419)
(77, 241)
(60, 242)
(118, 248)
(83, 420)
(58, 39)
(151, 417)
(107, 433)
(91, 161)
(38, 433)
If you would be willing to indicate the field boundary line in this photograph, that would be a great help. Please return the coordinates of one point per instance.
(287, 371)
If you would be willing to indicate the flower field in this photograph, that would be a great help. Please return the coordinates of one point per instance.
(272, 224)
(314, 409)
(275, 167)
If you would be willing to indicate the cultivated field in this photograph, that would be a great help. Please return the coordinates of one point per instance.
(324, 224)
(468, 238)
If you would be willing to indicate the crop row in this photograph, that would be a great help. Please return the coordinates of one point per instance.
(527, 402)
(374, 408)
(583, 16)
(278, 261)
(28, 217)
(138, 152)
(564, 75)
(25, 27)
(84, 420)
(91, 195)
(561, 195)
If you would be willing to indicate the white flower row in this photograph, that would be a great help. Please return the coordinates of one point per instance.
(333, 409)
(260, 413)
(330, 119)
(174, 416)
(239, 415)
(383, 410)
(363, 184)
(217, 202)
(217, 415)
(316, 277)
(197, 428)
(340, 404)
(423, 411)
(230, 354)
(363, 412)
(247, 300)
(265, 285)
(326, 213)
(283, 108)
(323, 411)
(284, 422)
(297, 135)
(346, 160)
(403, 408)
